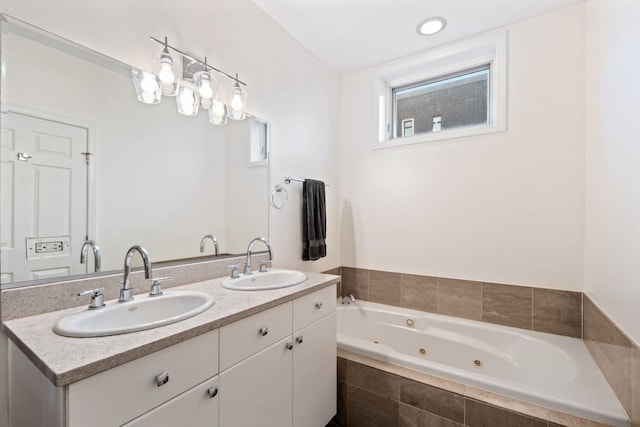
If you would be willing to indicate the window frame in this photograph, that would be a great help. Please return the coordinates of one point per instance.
(404, 127)
(393, 111)
(436, 63)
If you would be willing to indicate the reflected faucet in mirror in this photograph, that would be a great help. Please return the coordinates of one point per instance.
(247, 266)
(215, 243)
(97, 254)
(126, 293)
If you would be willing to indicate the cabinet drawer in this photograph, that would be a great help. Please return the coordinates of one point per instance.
(122, 393)
(245, 337)
(195, 408)
(314, 306)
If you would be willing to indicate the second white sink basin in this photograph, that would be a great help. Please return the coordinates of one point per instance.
(272, 279)
(141, 313)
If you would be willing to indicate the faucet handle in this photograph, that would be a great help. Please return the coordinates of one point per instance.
(263, 266)
(235, 272)
(155, 285)
(97, 298)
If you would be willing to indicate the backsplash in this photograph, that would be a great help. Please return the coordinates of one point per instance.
(544, 310)
(38, 299)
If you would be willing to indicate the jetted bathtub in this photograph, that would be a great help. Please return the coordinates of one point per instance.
(549, 370)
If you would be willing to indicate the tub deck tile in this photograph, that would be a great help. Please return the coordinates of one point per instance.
(477, 414)
(432, 399)
(370, 410)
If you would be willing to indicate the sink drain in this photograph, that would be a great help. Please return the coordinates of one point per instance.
(477, 363)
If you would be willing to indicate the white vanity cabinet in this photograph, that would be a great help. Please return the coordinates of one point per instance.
(288, 380)
(115, 396)
(274, 368)
(314, 358)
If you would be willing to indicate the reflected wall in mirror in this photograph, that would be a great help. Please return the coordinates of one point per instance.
(82, 159)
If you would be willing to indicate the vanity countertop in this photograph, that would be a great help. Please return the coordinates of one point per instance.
(66, 360)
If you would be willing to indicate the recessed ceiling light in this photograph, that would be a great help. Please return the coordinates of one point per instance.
(431, 26)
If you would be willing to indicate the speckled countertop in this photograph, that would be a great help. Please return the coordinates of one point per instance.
(66, 360)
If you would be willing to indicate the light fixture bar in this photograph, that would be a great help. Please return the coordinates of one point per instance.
(205, 65)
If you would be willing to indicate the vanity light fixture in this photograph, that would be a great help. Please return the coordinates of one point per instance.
(431, 26)
(147, 87)
(192, 91)
(238, 103)
(168, 68)
(207, 86)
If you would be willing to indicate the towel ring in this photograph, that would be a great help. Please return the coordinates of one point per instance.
(279, 197)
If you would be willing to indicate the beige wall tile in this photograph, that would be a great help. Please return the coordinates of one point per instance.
(342, 404)
(373, 380)
(370, 410)
(460, 298)
(507, 305)
(617, 357)
(419, 292)
(355, 281)
(384, 287)
(431, 399)
(481, 415)
(557, 312)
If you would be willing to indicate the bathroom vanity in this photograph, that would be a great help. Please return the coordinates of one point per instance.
(255, 358)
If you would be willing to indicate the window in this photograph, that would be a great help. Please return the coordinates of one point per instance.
(452, 91)
(442, 103)
(407, 127)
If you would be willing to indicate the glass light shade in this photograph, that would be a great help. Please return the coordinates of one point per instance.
(188, 99)
(238, 103)
(168, 68)
(207, 87)
(147, 86)
(218, 113)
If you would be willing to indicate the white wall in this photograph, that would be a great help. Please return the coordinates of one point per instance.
(612, 244)
(506, 207)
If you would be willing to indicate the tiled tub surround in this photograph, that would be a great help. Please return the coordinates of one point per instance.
(543, 370)
(65, 360)
(372, 393)
(617, 356)
(538, 309)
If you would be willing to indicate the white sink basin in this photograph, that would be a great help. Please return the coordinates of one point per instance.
(141, 313)
(272, 279)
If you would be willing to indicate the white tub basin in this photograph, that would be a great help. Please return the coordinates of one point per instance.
(141, 313)
(272, 279)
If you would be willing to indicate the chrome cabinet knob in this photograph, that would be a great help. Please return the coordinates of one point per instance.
(319, 305)
(212, 391)
(299, 339)
(162, 379)
(289, 346)
(264, 330)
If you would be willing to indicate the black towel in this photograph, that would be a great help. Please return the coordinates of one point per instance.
(314, 220)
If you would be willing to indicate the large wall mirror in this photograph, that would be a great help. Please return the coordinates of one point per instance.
(83, 159)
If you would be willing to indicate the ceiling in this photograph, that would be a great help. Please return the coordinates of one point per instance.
(349, 35)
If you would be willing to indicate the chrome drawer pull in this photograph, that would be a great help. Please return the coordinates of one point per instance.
(264, 330)
(162, 379)
(319, 305)
(212, 391)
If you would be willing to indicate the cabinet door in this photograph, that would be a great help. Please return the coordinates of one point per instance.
(257, 391)
(314, 373)
(197, 407)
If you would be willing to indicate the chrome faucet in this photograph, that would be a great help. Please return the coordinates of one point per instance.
(126, 293)
(247, 266)
(213, 239)
(97, 254)
(348, 299)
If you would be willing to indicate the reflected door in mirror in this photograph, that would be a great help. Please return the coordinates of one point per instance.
(44, 198)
